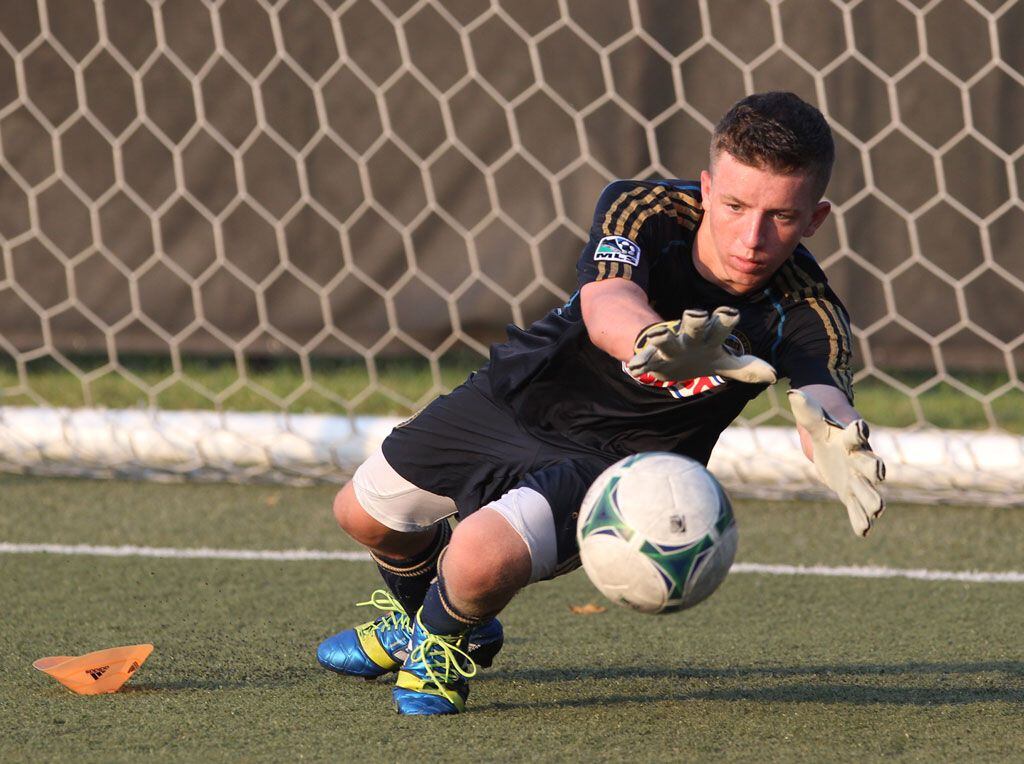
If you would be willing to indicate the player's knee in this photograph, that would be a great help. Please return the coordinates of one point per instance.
(355, 521)
(342, 506)
(486, 556)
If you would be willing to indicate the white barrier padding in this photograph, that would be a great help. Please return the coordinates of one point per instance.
(985, 467)
(925, 460)
(191, 443)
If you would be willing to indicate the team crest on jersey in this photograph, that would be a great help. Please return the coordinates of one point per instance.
(618, 249)
(738, 344)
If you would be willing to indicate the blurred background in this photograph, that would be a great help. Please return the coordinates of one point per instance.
(334, 207)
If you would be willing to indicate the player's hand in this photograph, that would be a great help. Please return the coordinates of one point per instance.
(844, 460)
(692, 347)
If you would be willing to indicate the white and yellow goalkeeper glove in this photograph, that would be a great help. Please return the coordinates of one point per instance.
(844, 460)
(675, 351)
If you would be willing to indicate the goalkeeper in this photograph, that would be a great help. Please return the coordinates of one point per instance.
(693, 298)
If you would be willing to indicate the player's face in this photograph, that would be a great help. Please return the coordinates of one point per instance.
(753, 220)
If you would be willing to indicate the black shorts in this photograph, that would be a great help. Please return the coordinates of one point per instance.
(470, 448)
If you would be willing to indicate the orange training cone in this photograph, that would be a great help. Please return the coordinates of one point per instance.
(98, 672)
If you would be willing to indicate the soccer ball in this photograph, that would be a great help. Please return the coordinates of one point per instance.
(656, 533)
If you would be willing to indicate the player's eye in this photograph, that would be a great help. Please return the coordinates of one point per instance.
(733, 206)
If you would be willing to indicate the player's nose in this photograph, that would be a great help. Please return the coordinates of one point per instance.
(752, 233)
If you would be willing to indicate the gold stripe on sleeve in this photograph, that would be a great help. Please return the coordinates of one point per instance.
(653, 209)
(836, 327)
(688, 206)
(611, 226)
(833, 343)
(644, 202)
(649, 204)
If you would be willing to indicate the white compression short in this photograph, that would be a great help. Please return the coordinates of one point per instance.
(393, 501)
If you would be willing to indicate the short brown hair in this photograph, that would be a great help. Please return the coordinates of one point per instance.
(777, 131)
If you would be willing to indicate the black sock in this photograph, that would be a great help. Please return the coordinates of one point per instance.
(410, 578)
(439, 616)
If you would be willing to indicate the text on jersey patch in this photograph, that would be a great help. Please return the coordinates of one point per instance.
(618, 249)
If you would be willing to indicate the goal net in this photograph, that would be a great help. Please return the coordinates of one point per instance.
(242, 238)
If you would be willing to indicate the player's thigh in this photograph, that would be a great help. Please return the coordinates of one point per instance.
(543, 508)
(463, 446)
(395, 502)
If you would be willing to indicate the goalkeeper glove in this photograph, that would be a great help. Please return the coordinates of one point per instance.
(692, 347)
(844, 460)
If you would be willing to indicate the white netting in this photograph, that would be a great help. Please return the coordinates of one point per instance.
(312, 207)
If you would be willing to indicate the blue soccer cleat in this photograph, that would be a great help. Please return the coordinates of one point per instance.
(380, 646)
(374, 648)
(433, 678)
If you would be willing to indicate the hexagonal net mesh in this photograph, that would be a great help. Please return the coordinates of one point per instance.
(325, 210)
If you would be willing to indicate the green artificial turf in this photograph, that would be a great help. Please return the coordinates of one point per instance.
(771, 668)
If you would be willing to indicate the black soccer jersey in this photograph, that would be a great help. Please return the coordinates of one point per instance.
(563, 387)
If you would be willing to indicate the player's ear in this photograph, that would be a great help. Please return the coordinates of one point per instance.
(705, 184)
(820, 213)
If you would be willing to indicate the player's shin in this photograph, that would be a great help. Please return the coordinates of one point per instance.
(409, 578)
(484, 633)
(441, 616)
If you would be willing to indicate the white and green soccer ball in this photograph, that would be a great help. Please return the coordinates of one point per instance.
(656, 533)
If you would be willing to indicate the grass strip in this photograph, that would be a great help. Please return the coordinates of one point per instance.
(966, 400)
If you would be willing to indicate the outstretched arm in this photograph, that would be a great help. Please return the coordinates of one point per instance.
(615, 310)
(658, 352)
(835, 438)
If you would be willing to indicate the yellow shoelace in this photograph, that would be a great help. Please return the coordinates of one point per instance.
(436, 649)
(382, 599)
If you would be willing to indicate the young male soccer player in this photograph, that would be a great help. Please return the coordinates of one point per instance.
(613, 372)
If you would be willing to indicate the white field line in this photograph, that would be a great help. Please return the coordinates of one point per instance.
(291, 555)
(201, 553)
(851, 571)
